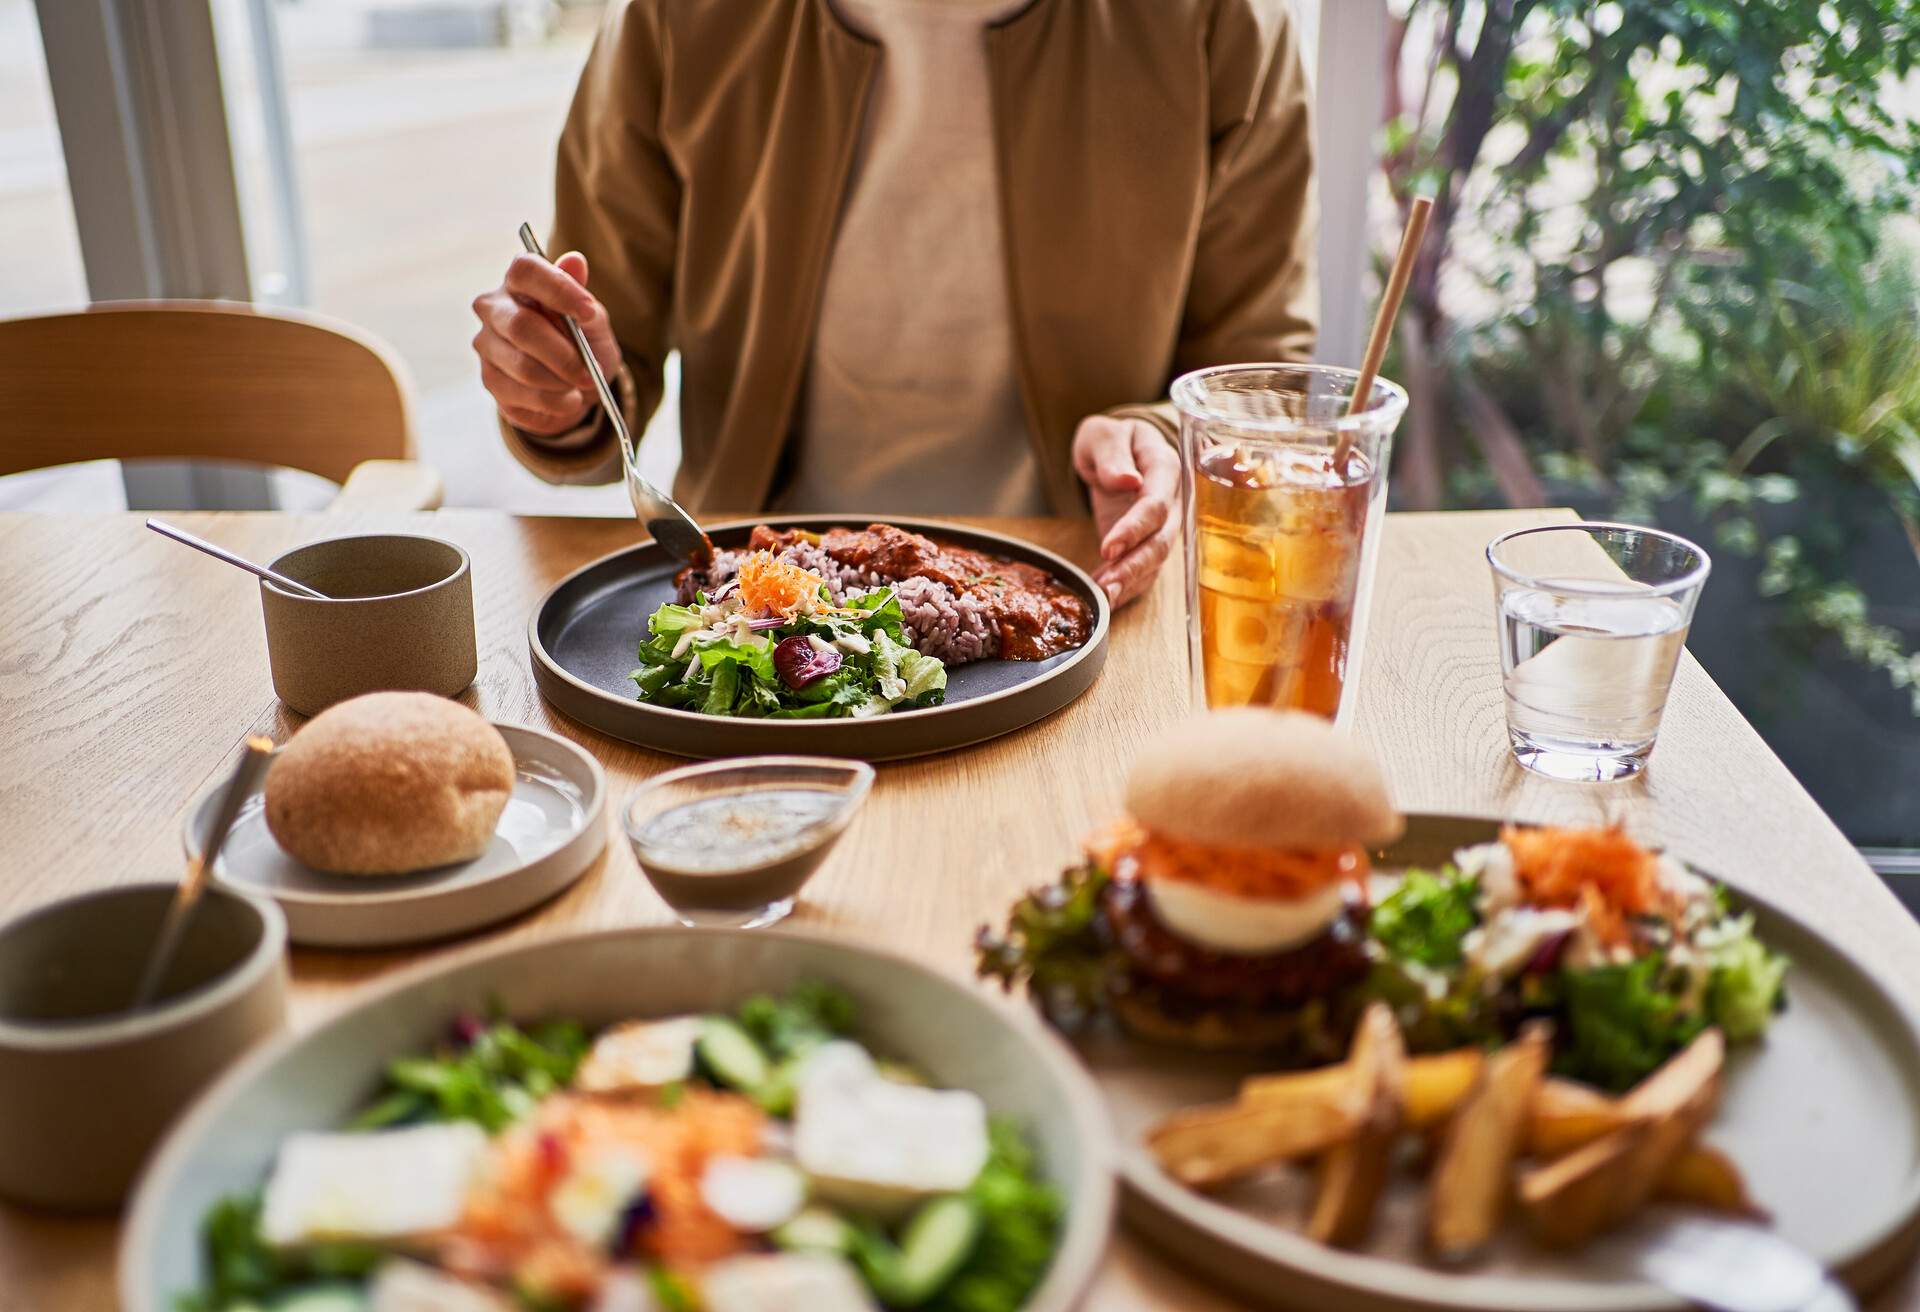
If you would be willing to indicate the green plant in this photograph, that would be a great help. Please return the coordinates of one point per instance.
(1661, 266)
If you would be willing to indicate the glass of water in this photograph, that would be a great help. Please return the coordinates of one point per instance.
(1592, 621)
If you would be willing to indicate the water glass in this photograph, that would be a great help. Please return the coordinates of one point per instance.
(1284, 494)
(1592, 618)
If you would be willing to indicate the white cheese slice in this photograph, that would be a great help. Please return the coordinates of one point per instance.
(640, 1056)
(784, 1282)
(1244, 926)
(876, 1144)
(752, 1194)
(402, 1286)
(387, 1185)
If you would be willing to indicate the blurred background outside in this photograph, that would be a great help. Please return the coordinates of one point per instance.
(1674, 278)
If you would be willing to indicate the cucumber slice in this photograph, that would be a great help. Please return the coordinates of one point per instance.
(936, 1243)
(729, 1054)
(328, 1298)
(815, 1230)
(774, 1095)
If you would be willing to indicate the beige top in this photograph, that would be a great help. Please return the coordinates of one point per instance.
(912, 402)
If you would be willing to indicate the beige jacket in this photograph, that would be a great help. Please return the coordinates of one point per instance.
(1156, 171)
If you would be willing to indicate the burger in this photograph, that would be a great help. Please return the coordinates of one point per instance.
(1227, 908)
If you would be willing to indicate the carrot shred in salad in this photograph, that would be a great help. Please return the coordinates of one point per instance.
(1239, 871)
(770, 586)
(511, 1218)
(1601, 871)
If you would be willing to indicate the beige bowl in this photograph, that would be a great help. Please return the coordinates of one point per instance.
(399, 619)
(959, 1034)
(86, 1088)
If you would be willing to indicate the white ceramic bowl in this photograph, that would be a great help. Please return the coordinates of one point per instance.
(958, 1035)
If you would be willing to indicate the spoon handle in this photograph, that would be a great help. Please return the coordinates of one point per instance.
(180, 535)
(246, 780)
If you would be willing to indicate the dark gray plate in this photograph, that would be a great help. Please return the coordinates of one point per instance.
(585, 635)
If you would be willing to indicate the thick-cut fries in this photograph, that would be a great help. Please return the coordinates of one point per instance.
(1434, 1086)
(1353, 1172)
(1599, 1185)
(1209, 1146)
(1470, 1185)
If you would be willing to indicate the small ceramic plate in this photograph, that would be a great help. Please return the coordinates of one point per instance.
(552, 829)
(318, 1079)
(585, 634)
(1823, 1119)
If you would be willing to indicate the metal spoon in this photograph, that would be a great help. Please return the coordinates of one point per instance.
(671, 526)
(180, 535)
(246, 778)
(1730, 1266)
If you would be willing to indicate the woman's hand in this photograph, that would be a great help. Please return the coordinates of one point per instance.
(527, 357)
(1133, 475)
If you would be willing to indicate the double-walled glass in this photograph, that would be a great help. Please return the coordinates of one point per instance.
(1284, 495)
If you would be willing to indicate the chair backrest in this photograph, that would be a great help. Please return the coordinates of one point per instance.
(213, 380)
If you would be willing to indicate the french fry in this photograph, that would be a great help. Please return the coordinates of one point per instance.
(1567, 1115)
(1434, 1086)
(1596, 1186)
(1354, 1171)
(1470, 1185)
(1208, 1146)
(1703, 1176)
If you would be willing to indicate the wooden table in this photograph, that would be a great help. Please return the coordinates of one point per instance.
(130, 669)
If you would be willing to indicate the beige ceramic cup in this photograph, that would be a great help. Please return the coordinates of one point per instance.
(87, 1088)
(400, 619)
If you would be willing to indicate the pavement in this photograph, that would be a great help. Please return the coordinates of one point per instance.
(414, 169)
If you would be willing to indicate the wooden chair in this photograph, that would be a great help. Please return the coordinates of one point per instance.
(212, 380)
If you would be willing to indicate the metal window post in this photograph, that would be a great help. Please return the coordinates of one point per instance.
(136, 90)
(1350, 88)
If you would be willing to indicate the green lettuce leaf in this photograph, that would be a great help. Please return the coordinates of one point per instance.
(1424, 920)
(1745, 980)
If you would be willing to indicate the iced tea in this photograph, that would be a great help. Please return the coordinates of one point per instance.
(1278, 555)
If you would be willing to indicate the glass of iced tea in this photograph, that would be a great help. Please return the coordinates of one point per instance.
(1284, 493)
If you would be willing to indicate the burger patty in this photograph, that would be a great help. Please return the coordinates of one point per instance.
(1318, 968)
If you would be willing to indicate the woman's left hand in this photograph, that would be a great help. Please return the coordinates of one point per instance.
(1133, 476)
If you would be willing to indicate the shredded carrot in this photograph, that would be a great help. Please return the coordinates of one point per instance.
(1600, 869)
(509, 1226)
(1240, 871)
(770, 586)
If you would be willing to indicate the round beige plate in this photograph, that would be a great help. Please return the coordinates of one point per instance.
(1823, 1119)
(317, 1080)
(552, 829)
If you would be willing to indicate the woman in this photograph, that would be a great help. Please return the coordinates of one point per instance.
(938, 256)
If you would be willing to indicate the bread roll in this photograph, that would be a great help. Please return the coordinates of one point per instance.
(388, 783)
(1260, 778)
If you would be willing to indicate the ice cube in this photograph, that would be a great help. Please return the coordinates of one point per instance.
(1234, 565)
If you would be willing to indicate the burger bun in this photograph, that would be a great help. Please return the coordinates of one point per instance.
(1255, 778)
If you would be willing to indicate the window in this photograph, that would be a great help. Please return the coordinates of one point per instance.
(39, 247)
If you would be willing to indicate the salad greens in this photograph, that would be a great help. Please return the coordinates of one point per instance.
(490, 1074)
(1615, 1020)
(983, 1249)
(855, 660)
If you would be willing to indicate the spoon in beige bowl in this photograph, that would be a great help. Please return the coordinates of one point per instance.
(180, 535)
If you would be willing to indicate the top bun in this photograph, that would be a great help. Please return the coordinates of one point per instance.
(388, 783)
(1260, 778)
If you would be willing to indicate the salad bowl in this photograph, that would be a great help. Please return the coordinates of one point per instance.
(317, 1081)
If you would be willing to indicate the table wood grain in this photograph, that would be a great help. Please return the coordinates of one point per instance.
(131, 668)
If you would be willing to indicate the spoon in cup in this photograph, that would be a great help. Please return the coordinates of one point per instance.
(246, 779)
(180, 535)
